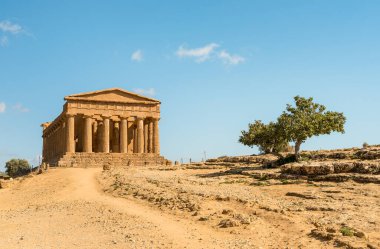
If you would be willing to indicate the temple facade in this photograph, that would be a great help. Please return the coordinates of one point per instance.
(111, 126)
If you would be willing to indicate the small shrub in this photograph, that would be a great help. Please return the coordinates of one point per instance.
(365, 145)
(347, 231)
(285, 160)
(17, 167)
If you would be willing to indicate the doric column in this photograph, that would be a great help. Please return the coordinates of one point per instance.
(156, 137)
(116, 137)
(70, 143)
(94, 136)
(146, 136)
(135, 138)
(140, 135)
(124, 135)
(87, 136)
(150, 146)
(106, 135)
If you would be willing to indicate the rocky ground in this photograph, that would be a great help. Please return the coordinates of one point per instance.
(259, 213)
(331, 199)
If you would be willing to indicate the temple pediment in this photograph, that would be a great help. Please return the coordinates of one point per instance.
(112, 95)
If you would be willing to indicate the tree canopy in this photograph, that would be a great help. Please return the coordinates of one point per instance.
(307, 119)
(267, 137)
(17, 167)
(296, 124)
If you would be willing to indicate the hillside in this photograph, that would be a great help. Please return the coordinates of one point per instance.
(228, 202)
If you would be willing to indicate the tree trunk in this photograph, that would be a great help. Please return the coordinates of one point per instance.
(297, 150)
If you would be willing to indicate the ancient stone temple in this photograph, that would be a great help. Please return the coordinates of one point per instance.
(111, 126)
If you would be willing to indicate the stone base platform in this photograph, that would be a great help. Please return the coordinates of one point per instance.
(111, 160)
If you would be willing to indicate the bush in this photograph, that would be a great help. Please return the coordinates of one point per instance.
(365, 145)
(285, 160)
(17, 167)
(347, 231)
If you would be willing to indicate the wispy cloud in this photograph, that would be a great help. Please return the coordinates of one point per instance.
(210, 51)
(230, 59)
(199, 54)
(148, 92)
(13, 28)
(20, 108)
(4, 41)
(137, 56)
(2, 107)
(9, 29)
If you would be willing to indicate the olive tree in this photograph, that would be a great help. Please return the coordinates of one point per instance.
(268, 137)
(307, 119)
(17, 167)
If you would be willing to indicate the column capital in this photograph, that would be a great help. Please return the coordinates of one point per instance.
(106, 116)
(124, 117)
(69, 115)
(88, 116)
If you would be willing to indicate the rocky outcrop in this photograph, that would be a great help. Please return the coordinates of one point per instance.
(368, 153)
(332, 167)
(243, 160)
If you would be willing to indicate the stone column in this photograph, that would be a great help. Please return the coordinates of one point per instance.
(146, 136)
(70, 143)
(140, 135)
(106, 135)
(87, 138)
(94, 136)
(135, 138)
(116, 137)
(124, 135)
(150, 146)
(156, 137)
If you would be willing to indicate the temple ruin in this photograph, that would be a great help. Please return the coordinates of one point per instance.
(111, 126)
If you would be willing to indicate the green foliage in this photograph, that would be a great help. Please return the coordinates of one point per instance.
(307, 119)
(365, 145)
(17, 167)
(298, 123)
(347, 231)
(267, 137)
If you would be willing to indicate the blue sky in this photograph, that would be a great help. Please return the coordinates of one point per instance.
(215, 65)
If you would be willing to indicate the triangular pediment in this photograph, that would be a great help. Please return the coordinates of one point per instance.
(112, 95)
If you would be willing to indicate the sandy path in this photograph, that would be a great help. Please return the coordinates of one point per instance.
(66, 209)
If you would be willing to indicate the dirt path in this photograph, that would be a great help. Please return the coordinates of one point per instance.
(66, 209)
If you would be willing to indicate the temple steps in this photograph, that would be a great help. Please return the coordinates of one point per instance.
(110, 159)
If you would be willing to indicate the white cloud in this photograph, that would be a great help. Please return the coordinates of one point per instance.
(137, 56)
(200, 54)
(2, 107)
(149, 91)
(19, 107)
(7, 26)
(230, 59)
(208, 52)
(4, 41)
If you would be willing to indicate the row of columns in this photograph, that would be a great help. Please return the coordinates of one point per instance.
(53, 144)
(147, 135)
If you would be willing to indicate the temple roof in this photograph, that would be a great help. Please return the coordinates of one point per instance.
(112, 95)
